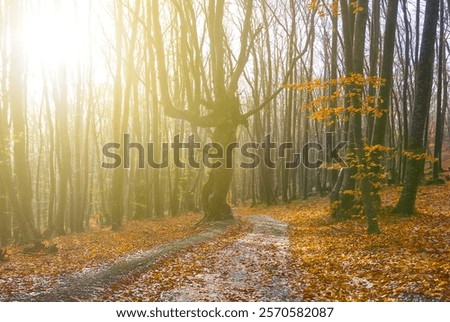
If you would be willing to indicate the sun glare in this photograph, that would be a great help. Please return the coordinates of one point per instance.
(56, 36)
(65, 35)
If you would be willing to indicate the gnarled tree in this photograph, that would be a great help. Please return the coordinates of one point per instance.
(222, 108)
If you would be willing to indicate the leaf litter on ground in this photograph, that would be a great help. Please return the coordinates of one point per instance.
(329, 260)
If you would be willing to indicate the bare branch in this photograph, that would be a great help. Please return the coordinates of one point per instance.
(245, 48)
(288, 73)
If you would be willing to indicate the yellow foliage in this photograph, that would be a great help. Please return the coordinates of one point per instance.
(348, 87)
(377, 147)
(314, 5)
(419, 156)
(335, 8)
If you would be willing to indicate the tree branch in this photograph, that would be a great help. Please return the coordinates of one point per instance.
(245, 48)
(288, 73)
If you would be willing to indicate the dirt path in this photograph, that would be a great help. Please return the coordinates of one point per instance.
(253, 268)
(85, 285)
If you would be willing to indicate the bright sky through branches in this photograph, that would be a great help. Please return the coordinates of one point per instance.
(63, 34)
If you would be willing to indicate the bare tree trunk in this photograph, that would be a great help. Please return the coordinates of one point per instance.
(405, 89)
(117, 179)
(358, 67)
(348, 183)
(63, 149)
(225, 115)
(5, 218)
(18, 109)
(374, 53)
(334, 76)
(424, 78)
(215, 190)
(385, 104)
(440, 110)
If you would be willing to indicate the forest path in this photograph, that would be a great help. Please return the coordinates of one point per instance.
(253, 268)
(89, 283)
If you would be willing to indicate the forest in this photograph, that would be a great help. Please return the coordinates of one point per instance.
(225, 150)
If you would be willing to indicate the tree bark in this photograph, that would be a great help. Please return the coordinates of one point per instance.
(440, 106)
(224, 115)
(358, 68)
(117, 177)
(22, 201)
(215, 190)
(422, 96)
(405, 89)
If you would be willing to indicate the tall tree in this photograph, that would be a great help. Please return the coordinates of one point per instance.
(358, 68)
(224, 111)
(386, 73)
(422, 97)
(384, 107)
(440, 104)
(18, 109)
(117, 179)
(405, 90)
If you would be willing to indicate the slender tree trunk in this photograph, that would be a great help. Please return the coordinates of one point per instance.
(386, 73)
(358, 68)
(334, 76)
(405, 89)
(117, 177)
(63, 149)
(346, 201)
(374, 53)
(440, 111)
(385, 104)
(18, 109)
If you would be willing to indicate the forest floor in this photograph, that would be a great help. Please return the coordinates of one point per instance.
(249, 263)
(292, 252)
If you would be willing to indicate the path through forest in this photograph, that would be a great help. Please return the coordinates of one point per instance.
(252, 268)
(89, 283)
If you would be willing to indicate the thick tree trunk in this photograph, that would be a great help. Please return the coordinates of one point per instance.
(422, 97)
(214, 195)
(224, 114)
(215, 190)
